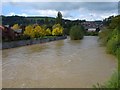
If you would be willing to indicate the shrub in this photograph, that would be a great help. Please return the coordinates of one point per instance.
(76, 32)
(112, 44)
(105, 35)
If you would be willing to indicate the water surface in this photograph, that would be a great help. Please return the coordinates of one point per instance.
(57, 64)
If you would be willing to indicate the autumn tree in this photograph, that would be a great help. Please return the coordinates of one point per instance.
(48, 32)
(39, 31)
(29, 31)
(15, 27)
(57, 30)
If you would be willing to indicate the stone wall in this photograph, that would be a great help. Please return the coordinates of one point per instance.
(13, 44)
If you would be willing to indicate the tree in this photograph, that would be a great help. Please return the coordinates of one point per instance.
(15, 27)
(48, 32)
(76, 32)
(29, 31)
(57, 30)
(115, 22)
(37, 31)
(59, 18)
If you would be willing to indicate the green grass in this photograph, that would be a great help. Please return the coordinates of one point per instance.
(112, 83)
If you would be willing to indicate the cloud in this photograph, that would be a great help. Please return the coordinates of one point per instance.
(13, 14)
(61, 6)
(61, 0)
(71, 10)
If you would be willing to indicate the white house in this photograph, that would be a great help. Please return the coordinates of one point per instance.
(91, 29)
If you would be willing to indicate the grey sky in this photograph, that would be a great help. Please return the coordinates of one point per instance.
(70, 10)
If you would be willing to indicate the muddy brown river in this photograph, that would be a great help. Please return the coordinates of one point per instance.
(57, 64)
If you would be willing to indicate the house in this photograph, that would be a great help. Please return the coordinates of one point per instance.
(91, 29)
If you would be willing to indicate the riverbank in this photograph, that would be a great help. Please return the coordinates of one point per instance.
(13, 44)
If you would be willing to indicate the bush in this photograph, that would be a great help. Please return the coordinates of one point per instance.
(92, 33)
(112, 44)
(76, 33)
(105, 35)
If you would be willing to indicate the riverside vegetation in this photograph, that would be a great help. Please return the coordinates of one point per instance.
(76, 32)
(33, 31)
(110, 37)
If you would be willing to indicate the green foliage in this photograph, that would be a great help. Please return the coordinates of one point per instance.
(66, 31)
(115, 22)
(113, 42)
(59, 18)
(92, 33)
(105, 35)
(46, 20)
(112, 83)
(76, 32)
(111, 38)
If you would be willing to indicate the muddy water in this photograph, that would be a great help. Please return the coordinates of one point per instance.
(57, 64)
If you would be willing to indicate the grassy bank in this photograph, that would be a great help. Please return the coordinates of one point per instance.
(110, 37)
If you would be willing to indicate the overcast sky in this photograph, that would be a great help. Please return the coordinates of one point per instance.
(69, 10)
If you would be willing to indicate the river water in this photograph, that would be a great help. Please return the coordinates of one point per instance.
(58, 64)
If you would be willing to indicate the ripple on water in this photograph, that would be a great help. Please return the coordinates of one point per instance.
(59, 64)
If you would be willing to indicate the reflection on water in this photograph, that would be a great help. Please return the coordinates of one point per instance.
(57, 64)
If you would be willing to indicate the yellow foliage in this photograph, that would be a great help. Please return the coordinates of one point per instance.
(48, 31)
(39, 31)
(29, 31)
(36, 32)
(57, 30)
(15, 27)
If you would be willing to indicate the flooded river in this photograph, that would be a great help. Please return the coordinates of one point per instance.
(57, 64)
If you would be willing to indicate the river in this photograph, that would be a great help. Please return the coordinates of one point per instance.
(58, 64)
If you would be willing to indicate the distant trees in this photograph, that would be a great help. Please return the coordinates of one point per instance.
(46, 20)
